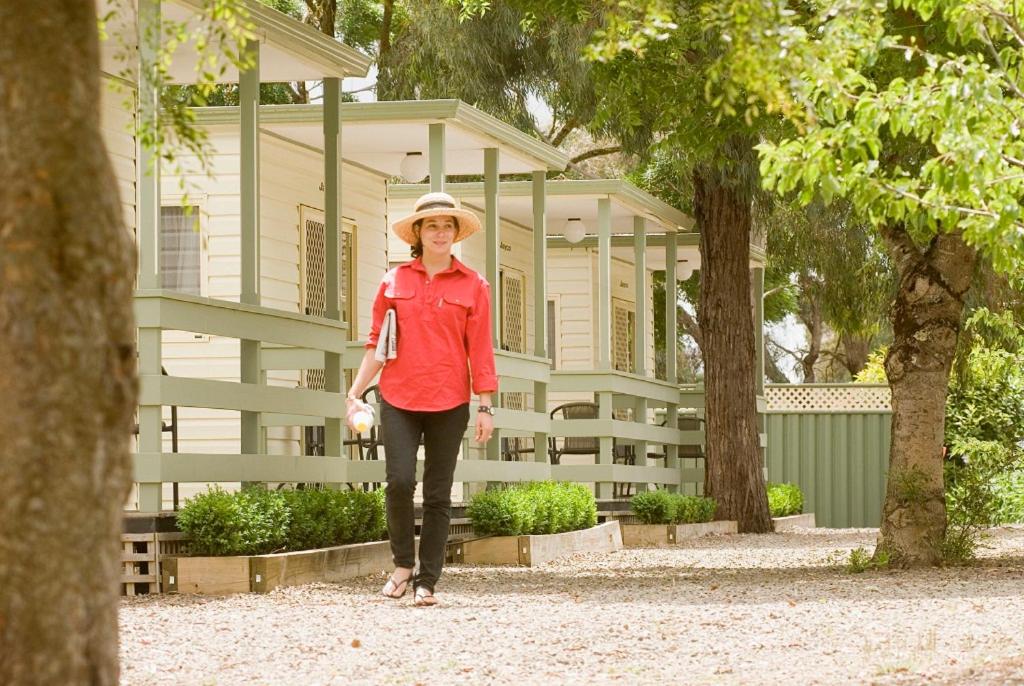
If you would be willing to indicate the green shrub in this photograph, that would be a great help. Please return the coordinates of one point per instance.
(250, 522)
(693, 509)
(536, 508)
(785, 500)
(654, 507)
(256, 521)
(662, 507)
(861, 560)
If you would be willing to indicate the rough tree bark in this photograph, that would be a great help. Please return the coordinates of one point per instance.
(926, 323)
(856, 349)
(810, 316)
(733, 473)
(67, 343)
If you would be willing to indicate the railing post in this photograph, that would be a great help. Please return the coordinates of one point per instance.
(640, 336)
(540, 304)
(604, 331)
(249, 104)
(150, 438)
(492, 230)
(150, 416)
(671, 347)
(333, 442)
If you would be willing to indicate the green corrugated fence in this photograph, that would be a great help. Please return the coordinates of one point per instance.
(838, 458)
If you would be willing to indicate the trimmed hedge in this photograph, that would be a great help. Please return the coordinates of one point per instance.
(662, 507)
(785, 500)
(255, 521)
(543, 507)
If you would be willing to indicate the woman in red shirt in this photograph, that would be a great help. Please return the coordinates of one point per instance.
(442, 313)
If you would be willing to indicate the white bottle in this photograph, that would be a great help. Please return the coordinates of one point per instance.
(361, 418)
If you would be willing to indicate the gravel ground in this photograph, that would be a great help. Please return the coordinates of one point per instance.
(743, 609)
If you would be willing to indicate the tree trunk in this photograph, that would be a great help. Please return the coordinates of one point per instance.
(856, 349)
(384, 81)
(67, 343)
(926, 323)
(733, 475)
(771, 367)
(810, 315)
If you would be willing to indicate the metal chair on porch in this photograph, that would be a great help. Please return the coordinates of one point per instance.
(586, 445)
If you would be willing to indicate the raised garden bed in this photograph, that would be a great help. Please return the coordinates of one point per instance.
(533, 550)
(800, 521)
(263, 573)
(653, 535)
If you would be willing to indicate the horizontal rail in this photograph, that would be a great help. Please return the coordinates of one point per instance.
(614, 382)
(591, 428)
(245, 397)
(216, 467)
(169, 310)
(519, 366)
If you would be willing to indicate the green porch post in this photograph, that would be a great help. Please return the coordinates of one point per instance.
(757, 278)
(540, 304)
(492, 229)
(640, 316)
(249, 104)
(437, 166)
(671, 345)
(332, 229)
(150, 353)
(604, 330)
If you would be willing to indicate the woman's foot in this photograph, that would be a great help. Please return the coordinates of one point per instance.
(424, 597)
(397, 583)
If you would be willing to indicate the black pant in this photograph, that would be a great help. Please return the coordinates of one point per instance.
(442, 435)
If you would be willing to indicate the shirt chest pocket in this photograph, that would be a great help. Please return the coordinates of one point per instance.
(454, 308)
(404, 301)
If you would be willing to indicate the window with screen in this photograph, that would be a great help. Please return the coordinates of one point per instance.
(180, 250)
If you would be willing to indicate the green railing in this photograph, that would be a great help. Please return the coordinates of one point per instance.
(158, 311)
(290, 341)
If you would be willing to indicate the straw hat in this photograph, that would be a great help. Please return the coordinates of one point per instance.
(436, 205)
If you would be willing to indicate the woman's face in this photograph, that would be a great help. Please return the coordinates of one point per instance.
(438, 235)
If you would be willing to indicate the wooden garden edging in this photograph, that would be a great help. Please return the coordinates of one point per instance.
(263, 573)
(531, 551)
(800, 521)
(653, 535)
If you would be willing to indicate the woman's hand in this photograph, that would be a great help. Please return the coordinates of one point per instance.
(349, 406)
(484, 427)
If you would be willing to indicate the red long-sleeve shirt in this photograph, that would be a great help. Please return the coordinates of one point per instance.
(444, 336)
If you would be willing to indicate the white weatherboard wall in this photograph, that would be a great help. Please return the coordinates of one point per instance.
(117, 107)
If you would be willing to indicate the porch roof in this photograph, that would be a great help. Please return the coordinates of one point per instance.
(577, 198)
(289, 49)
(379, 134)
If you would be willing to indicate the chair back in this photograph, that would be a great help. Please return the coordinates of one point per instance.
(578, 445)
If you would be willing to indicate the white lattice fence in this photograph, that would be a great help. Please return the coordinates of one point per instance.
(828, 397)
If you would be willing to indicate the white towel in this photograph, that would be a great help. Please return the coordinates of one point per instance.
(387, 341)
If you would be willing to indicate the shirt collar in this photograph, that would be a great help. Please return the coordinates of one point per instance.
(417, 264)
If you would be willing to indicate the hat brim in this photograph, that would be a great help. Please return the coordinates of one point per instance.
(468, 223)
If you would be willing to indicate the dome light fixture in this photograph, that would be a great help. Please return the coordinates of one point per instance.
(684, 270)
(414, 167)
(574, 230)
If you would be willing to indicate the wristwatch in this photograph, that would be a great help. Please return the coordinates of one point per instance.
(485, 408)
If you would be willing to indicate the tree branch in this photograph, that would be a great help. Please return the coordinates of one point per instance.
(596, 152)
(569, 126)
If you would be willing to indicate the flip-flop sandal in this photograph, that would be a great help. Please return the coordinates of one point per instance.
(424, 597)
(390, 589)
